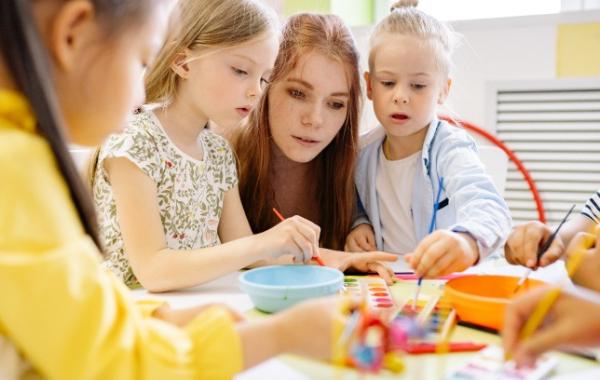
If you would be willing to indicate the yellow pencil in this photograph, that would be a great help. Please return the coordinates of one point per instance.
(427, 309)
(542, 308)
(539, 313)
(443, 345)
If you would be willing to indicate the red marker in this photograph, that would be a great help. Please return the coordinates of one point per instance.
(316, 258)
(430, 348)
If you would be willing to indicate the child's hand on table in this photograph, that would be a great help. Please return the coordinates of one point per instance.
(523, 242)
(360, 239)
(365, 262)
(308, 328)
(443, 252)
(570, 321)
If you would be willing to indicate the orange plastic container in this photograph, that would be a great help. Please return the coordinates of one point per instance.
(481, 299)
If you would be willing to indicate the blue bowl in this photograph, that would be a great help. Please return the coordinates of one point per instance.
(277, 287)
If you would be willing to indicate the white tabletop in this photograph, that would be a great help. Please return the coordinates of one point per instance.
(222, 290)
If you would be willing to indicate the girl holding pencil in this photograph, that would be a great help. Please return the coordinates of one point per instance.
(166, 188)
(63, 316)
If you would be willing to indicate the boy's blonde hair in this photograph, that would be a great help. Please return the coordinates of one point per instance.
(406, 19)
(205, 24)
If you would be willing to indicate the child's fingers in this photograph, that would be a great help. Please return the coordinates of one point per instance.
(533, 237)
(582, 240)
(597, 243)
(350, 245)
(381, 256)
(354, 247)
(441, 266)
(543, 340)
(311, 235)
(430, 256)
(310, 230)
(304, 251)
(553, 253)
(370, 237)
(517, 312)
(417, 254)
(386, 273)
(513, 247)
(314, 227)
(362, 242)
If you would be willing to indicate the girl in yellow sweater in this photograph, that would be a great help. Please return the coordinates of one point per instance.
(61, 315)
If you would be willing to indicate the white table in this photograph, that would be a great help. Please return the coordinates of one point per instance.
(226, 290)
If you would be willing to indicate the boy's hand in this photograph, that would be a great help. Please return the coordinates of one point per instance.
(523, 242)
(443, 252)
(360, 239)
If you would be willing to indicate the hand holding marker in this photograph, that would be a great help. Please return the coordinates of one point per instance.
(431, 229)
(316, 258)
(543, 248)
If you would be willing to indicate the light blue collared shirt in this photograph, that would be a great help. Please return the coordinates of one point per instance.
(469, 201)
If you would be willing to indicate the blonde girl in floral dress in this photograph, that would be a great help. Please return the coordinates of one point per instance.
(166, 188)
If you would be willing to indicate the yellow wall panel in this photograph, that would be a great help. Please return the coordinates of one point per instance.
(578, 50)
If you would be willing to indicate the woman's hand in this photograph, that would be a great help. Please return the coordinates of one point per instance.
(365, 262)
(294, 236)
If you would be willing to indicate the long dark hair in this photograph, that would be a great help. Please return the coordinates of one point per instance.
(326, 34)
(29, 65)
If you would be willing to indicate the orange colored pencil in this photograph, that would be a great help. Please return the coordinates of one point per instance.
(316, 258)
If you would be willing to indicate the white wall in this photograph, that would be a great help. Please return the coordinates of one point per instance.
(494, 49)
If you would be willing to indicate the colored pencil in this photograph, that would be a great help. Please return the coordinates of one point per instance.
(542, 308)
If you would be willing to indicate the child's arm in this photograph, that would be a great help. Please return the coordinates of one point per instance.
(234, 223)
(481, 212)
(483, 219)
(159, 268)
(294, 331)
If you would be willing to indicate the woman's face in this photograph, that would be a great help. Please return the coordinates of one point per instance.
(308, 107)
(99, 79)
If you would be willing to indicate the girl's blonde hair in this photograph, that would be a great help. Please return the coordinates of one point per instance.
(203, 25)
(406, 19)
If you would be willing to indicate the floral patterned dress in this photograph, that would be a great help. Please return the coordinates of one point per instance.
(190, 191)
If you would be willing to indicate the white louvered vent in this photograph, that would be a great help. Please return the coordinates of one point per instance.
(554, 128)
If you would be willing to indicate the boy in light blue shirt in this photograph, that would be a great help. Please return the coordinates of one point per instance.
(414, 163)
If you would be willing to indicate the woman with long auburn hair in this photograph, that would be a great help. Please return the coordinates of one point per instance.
(298, 150)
